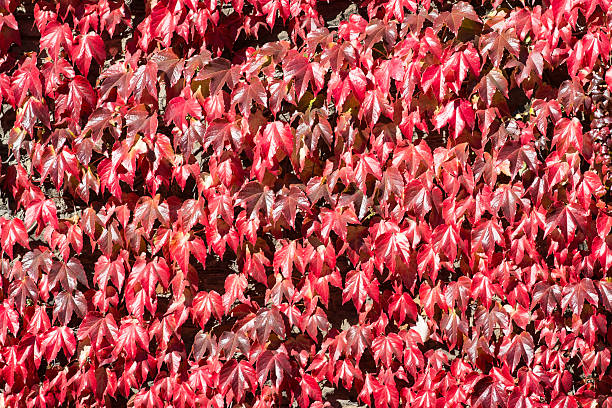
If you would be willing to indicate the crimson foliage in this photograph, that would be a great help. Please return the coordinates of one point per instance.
(215, 203)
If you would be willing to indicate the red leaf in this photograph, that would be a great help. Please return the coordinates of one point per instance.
(491, 83)
(237, 376)
(58, 338)
(56, 36)
(131, 335)
(66, 304)
(518, 155)
(220, 72)
(180, 108)
(145, 78)
(336, 221)
(230, 342)
(181, 247)
(275, 363)
(68, 274)
(206, 304)
(13, 232)
(26, 79)
(359, 285)
(303, 72)
(9, 320)
(516, 348)
(42, 211)
(288, 202)
(106, 270)
(489, 393)
(254, 197)
(568, 218)
(568, 133)
(486, 235)
(246, 94)
(457, 113)
(98, 327)
(118, 77)
(547, 296)
(81, 98)
(454, 18)
(495, 43)
(386, 347)
(402, 306)
(268, 321)
(150, 210)
(374, 105)
(276, 136)
(576, 294)
(58, 165)
(310, 391)
(88, 46)
(163, 23)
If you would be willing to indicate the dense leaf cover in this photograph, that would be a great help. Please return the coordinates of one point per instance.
(217, 203)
